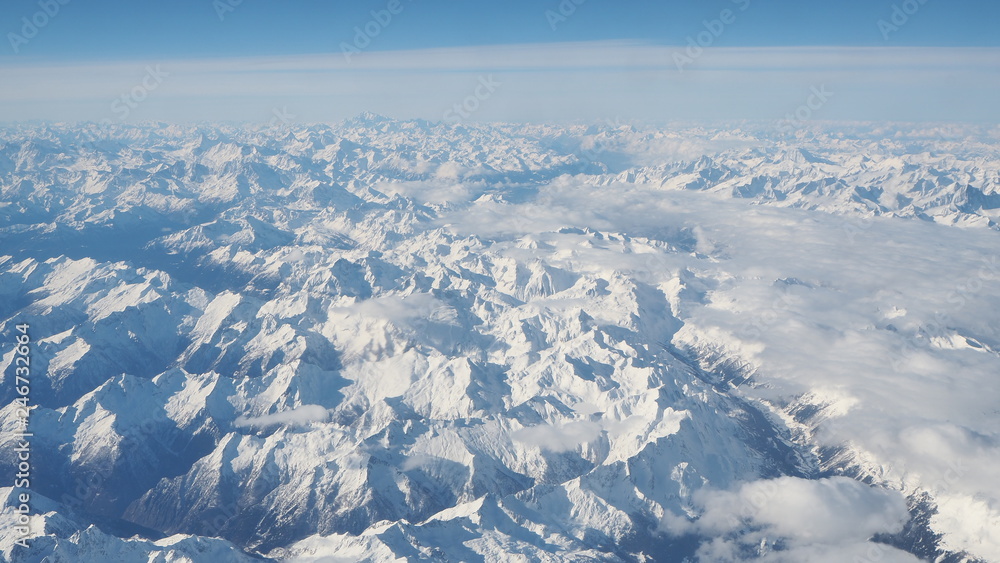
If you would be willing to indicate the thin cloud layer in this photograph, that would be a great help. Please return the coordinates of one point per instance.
(554, 81)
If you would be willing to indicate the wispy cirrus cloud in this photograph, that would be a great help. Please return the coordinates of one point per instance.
(552, 82)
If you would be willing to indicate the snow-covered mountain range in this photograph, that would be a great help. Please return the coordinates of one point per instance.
(399, 340)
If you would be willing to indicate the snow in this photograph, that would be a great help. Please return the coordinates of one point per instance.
(385, 340)
(838, 515)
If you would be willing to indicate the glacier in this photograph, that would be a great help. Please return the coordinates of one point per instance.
(386, 340)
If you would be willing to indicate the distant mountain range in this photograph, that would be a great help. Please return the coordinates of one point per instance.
(397, 340)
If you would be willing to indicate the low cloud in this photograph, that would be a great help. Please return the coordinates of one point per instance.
(793, 519)
(395, 309)
(561, 438)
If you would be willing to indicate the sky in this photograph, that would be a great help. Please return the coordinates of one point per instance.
(519, 60)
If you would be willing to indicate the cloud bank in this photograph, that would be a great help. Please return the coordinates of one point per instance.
(791, 519)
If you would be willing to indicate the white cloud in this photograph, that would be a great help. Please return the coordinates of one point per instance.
(433, 192)
(559, 438)
(812, 520)
(588, 80)
(929, 425)
(398, 310)
(969, 524)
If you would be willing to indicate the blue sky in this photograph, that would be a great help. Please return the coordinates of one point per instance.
(107, 29)
(92, 53)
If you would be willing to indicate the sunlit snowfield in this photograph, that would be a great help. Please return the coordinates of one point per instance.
(385, 340)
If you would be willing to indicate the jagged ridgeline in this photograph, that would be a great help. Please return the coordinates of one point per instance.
(397, 340)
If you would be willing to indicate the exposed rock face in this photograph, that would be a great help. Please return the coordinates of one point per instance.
(395, 340)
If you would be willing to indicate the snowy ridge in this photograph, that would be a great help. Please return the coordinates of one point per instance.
(65, 537)
(389, 340)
